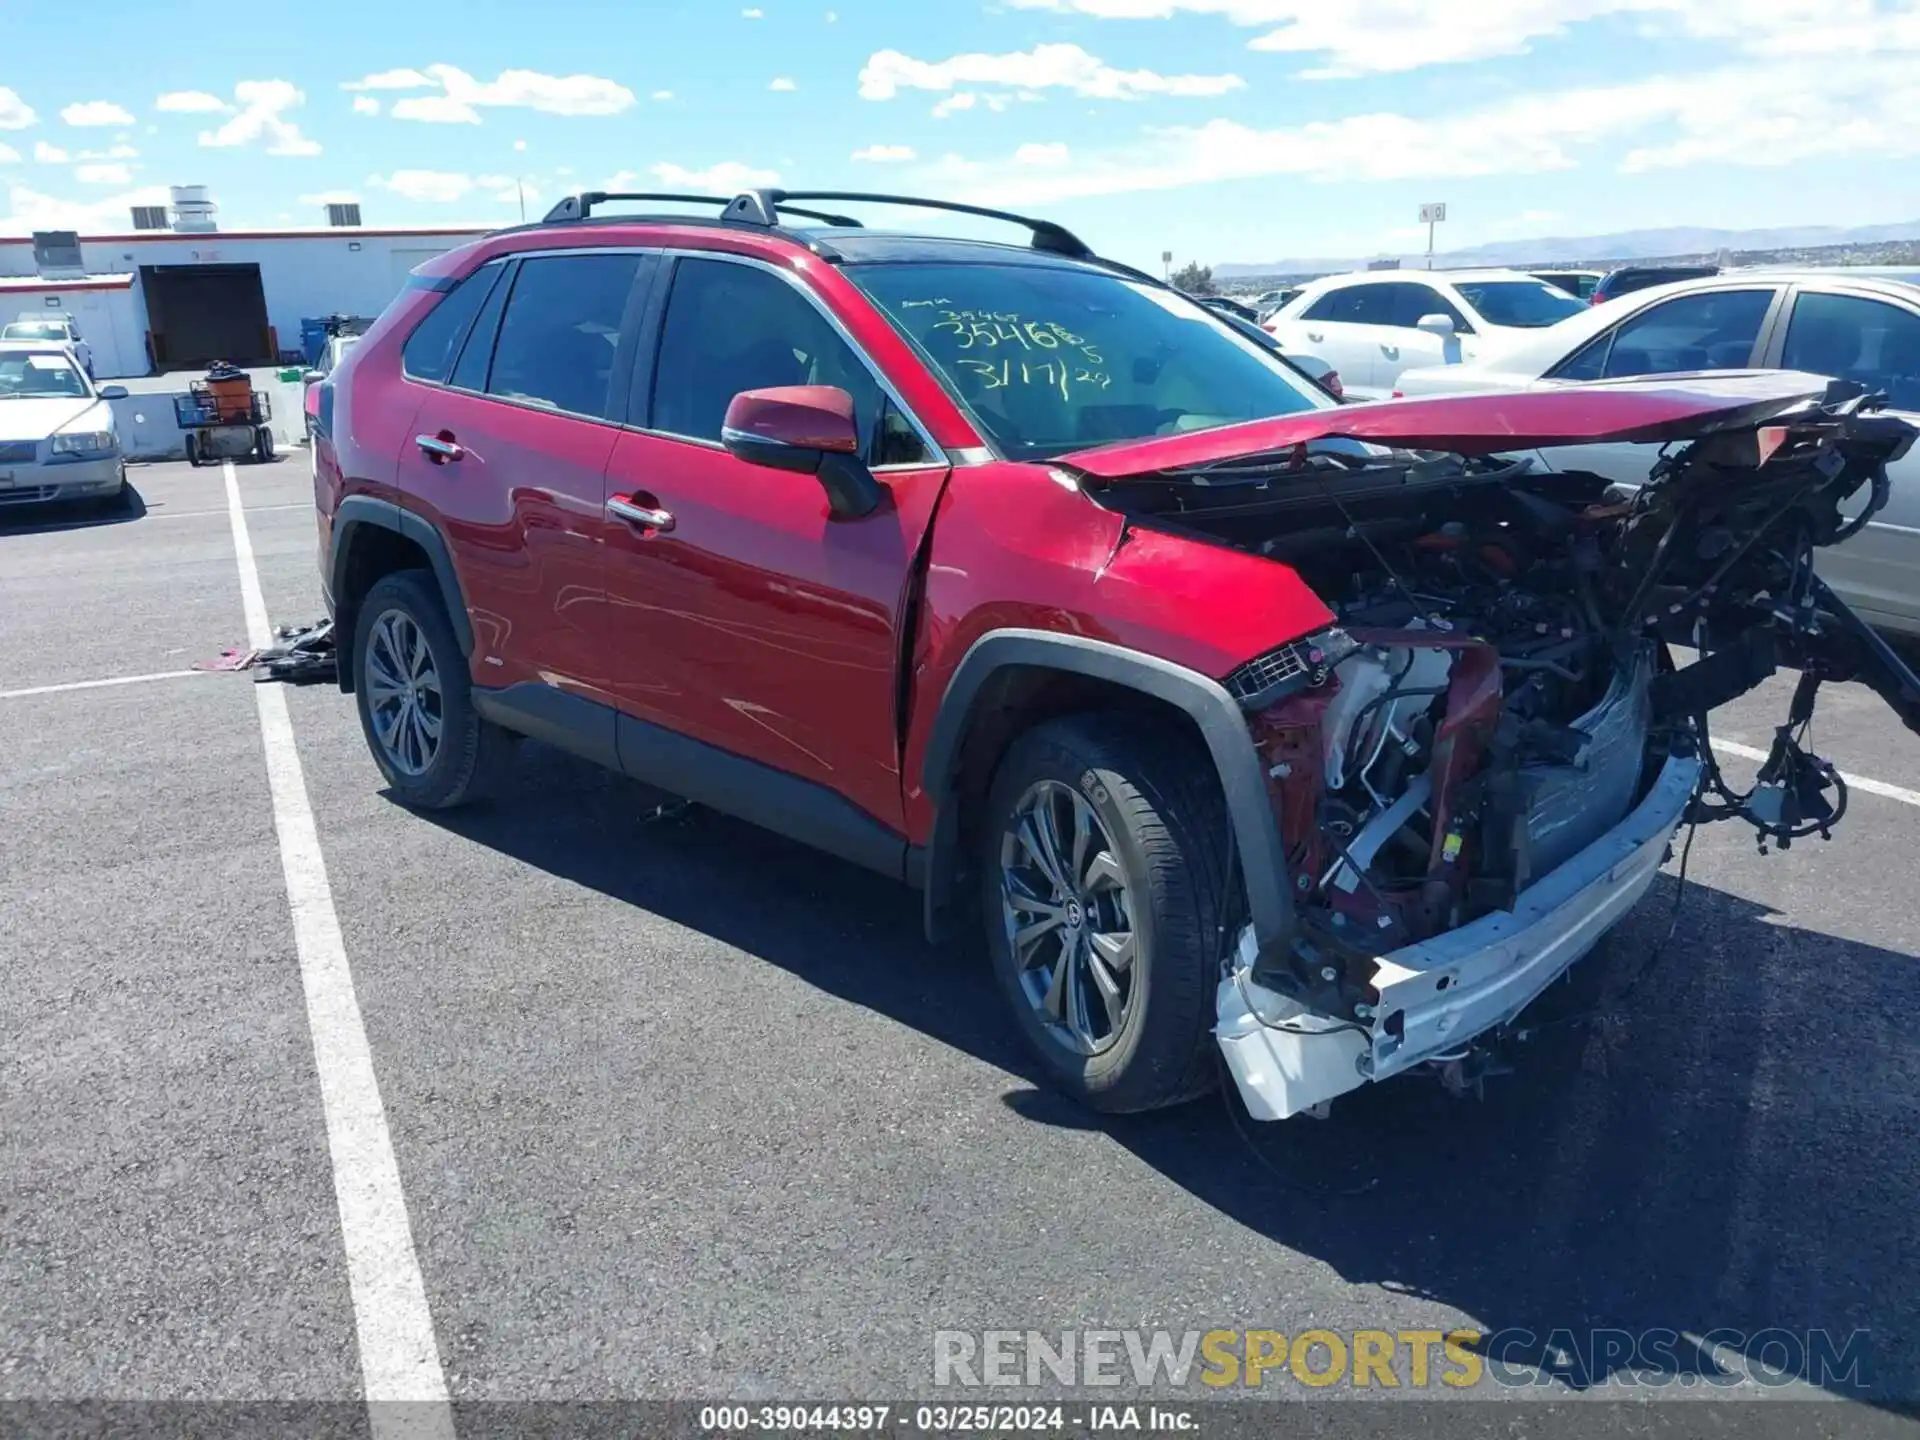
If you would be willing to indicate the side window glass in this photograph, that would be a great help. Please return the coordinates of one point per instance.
(1849, 337)
(1413, 301)
(477, 354)
(1586, 363)
(732, 327)
(1714, 331)
(1325, 307)
(1370, 304)
(560, 332)
(430, 351)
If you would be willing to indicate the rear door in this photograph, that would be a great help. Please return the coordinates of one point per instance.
(1700, 330)
(1344, 327)
(508, 456)
(1874, 340)
(747, 618)
(1406, 346)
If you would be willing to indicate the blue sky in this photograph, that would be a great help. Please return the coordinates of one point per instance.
(1219, 129)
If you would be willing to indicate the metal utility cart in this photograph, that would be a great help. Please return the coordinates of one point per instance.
(225, 418)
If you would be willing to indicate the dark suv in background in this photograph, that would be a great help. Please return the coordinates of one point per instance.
(1625, 279)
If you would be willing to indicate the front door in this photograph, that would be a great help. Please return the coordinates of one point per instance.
(744, 616)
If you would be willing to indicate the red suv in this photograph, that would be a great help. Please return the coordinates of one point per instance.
(1246, 725)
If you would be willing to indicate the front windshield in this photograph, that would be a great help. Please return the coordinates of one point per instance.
(1051, 360)
(41, 376)
(1522, 304)
(33, 330)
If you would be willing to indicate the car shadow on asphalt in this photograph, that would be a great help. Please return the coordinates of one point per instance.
(1729, 1153)
(71, 515)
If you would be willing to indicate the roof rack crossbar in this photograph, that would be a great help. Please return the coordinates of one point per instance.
(582, 206)
(1047, 235)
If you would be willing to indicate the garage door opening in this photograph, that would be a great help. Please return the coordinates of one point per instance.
(202, 313)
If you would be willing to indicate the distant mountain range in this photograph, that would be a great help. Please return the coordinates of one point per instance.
(1626, 245)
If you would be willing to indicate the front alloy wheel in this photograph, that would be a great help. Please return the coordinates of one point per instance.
(404, 698)
(1068, 915)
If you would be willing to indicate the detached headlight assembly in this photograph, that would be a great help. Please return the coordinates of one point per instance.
(85, 443)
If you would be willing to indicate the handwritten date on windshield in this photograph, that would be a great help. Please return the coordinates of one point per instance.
(996, 329)
(1060, 375)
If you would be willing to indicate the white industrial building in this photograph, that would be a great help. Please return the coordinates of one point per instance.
(176, 293)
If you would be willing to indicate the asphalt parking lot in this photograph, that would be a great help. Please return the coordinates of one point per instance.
(682, 1110)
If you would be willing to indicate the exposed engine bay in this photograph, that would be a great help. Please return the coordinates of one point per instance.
(1499, 691)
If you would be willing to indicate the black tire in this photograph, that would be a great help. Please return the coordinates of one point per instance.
(471, 753)
(263, 444)
(193, 450)
(1157, 797)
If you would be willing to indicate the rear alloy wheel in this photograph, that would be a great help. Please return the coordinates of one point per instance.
(1103, 877)
(415, 700)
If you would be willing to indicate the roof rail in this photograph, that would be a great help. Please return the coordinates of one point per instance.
(763, 207)
(582, 206)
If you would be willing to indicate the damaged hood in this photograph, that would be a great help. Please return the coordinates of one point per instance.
(1652, 411)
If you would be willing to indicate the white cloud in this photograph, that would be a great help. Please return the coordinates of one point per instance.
(663, 94)
(260, 118)
(1034, 154)
(833, 17)
(960, 100)
(32, 210)
(729, 177)
(462, 97)
(1362, 37)
(1045, 67)
(331, 197)
(15, 113)
(191, 102)
(365, 105)
(109, 173)
(9, 155)
(753, 14)
(1766, 114)
(435, 187)
(783, 83)
(95, 112)
(117, 152)
(49, 154)
(885, 154)
(391, 80)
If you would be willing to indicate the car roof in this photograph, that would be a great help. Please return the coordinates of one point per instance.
(1396, 277)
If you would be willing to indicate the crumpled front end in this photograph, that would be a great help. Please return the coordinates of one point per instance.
(1476, 772)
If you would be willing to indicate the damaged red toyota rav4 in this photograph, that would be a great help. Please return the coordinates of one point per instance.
(1319, 738)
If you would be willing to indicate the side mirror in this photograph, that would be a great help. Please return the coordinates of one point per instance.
(1436, 324)
(312, 377)
(112, 392)
(810, 430)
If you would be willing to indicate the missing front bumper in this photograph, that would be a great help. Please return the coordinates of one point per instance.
(1442, 992)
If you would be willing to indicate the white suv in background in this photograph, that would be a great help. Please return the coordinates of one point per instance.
(1373, 325)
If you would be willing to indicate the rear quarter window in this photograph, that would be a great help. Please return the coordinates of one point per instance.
(434, 345)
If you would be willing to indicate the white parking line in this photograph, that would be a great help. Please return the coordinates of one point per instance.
(99, 684)
(406, 1389)
(1854, 782)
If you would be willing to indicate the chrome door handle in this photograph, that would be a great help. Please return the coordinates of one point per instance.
(640, 515)
(1315, 336)
(439, 449)
(1392, 352)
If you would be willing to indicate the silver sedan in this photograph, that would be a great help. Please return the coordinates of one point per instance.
(57, 435)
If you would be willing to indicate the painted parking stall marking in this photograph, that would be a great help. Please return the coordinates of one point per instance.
(406, 1389)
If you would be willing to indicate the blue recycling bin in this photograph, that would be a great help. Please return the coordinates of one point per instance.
(313, 339)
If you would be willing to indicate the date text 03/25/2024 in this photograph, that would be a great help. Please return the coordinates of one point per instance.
(963, 1419)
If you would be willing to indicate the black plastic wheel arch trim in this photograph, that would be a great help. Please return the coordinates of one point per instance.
(358, 511)
(1218, 717)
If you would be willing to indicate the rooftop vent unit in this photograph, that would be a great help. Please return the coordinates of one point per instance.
(57, 253)
(193, 209)
(341, 216)
(149, 217)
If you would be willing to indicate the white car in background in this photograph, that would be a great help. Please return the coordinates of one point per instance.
(57, 327)
(1375, 325)
(57, 436)
(1851, 324)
